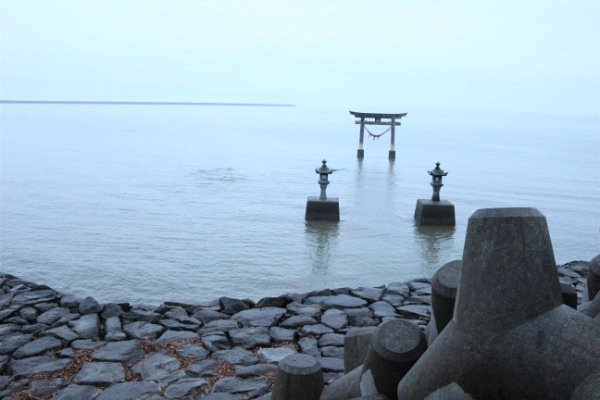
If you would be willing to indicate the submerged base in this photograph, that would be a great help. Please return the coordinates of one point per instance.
(360, 153)
(322, 210)
(429, 212)
(392, 155)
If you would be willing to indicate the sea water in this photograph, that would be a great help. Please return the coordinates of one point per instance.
(149, 203)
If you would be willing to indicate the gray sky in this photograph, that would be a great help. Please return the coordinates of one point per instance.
(524, 55)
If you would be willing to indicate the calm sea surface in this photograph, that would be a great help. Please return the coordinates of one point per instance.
(188, 203)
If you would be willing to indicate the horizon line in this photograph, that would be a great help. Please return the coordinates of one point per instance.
(145, 103)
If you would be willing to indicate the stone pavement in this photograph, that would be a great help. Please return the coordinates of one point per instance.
(56, 346)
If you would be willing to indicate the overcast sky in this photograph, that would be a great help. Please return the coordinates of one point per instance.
(524, 55)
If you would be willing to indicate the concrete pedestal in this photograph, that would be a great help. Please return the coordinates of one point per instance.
(429, 212)
(322, 210)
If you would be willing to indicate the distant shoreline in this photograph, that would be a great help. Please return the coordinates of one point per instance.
(144, 103)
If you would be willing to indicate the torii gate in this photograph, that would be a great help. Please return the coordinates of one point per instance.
(377, 120)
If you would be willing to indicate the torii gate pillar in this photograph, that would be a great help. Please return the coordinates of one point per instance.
(377, 120)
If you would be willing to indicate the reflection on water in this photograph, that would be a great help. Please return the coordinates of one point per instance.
(320, 237)
(433, 241)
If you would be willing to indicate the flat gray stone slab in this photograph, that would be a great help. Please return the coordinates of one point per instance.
(63, 333)
(33, 297)
(140, 315)
(193, 352)
(98, 373)
(251, 387)
(334, 318)
(219, 325)
(52, 315)
(13, 341)
(331, 339)
(204, 368)
(184, 387)
(282, 334)
(331, 364)
(369, 294)
(130, 391)
(170, 336)
(156, 366)
(37, 347)
(267, 316)
(310, 310)
(143, 330)
(250, 337)
(250, 371)
(78, 392)
(297, 321)
(316, 330)
(275, 354)
(38, 365)
(341, 301)
(236, 356)
(45, 387)
(413, 310)
(87, 327)
(127, 351)
(382, 309)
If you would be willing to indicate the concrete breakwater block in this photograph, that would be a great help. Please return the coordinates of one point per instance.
(511, 336)
(356, 346)
(395, 347)
(444, 286)
(299, 377)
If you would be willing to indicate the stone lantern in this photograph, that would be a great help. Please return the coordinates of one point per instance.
(435, 211)
(436, 181)
(323, 172)
(323, 208)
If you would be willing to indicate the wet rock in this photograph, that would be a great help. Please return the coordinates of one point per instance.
(69, 301)
(63, 333)
(308, 345)
(29, 314)
(331, 364)
(413, 311)
(361, 317)
(204, 368)
(87, 344)
(280, 301)
(219, 325)
(139, 315)
(331, 339)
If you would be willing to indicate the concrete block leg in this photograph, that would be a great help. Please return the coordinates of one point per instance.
(299, 377)
(444, 285)
(356, 345)
(593, 277)
(395, 347)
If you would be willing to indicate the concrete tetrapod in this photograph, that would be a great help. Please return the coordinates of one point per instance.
(395, 347)
(510, 337)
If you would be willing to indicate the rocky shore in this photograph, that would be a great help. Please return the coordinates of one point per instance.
(57, 346)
